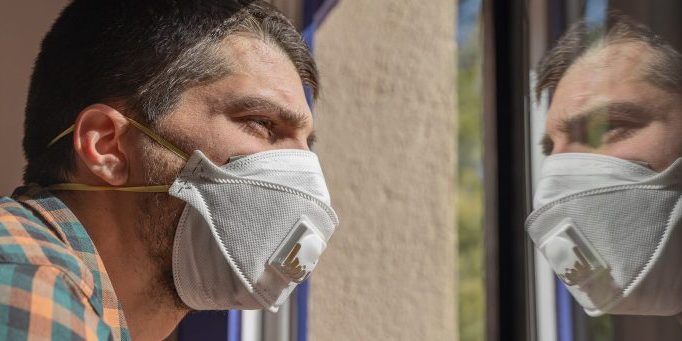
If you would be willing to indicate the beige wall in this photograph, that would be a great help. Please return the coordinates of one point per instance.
(22, 26)
(386, 122)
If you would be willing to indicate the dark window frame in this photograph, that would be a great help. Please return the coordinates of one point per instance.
(510, 313)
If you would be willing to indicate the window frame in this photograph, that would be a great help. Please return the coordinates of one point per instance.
(510, 284)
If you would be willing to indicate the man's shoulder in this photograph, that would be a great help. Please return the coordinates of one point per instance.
(27, 240)
(42, 302)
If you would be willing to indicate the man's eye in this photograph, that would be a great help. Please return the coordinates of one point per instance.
(259, 126)
(267, 124)
(600, 132)
(618, 132)
(594, 130)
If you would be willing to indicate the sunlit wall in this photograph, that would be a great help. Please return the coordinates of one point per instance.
(386, 121)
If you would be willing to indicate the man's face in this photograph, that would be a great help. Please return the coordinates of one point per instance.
(604, 105)
(260, 105)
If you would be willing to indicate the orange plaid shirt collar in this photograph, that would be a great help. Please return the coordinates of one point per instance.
(64, 223)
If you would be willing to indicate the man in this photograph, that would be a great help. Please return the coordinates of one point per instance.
(168, 170)
(607, 205)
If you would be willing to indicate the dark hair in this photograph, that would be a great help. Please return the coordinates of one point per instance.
(143, 54)
(664, 70)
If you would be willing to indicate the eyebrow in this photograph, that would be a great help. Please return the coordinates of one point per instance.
(289, 117)
(626, 111)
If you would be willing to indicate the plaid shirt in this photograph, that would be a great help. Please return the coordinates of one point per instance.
(53, 284)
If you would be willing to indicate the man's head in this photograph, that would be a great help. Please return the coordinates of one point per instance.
(140, 57)
(615, 91)
(224, 77)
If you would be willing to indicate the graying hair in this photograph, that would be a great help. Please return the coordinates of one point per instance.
(663, 70)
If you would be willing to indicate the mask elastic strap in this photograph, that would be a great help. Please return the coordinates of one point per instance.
(91, 188)
(139, 189)
(160, 140)
(68, 131)
(154, 136)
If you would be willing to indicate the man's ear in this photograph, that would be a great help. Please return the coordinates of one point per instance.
(97, 140)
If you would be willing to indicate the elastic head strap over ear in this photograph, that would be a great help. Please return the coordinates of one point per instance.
(68, 131)
(139, 189)
(160, 140)
(154, 136)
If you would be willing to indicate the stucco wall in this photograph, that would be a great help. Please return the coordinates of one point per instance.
(386, 122)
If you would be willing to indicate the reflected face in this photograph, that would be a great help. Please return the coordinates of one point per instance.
(604, 105)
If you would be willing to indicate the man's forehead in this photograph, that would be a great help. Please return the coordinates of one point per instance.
(257, 69)
(246, 50)
(616, 54)
(613, 73)
(614, 62)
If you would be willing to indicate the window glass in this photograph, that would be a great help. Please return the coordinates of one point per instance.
(606, 131)
(470, 173)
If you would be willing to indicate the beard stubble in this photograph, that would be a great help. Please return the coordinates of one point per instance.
(159, 216)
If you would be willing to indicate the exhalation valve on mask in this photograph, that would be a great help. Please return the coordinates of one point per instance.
(578, 265)
(297, 255)
(610, 230)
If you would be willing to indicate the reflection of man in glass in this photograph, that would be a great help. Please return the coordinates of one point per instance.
(611, 187)
(616, 94)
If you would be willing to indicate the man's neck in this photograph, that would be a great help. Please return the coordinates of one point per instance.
(110, 221)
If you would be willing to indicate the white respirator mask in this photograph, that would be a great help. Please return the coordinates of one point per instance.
(251, 230)
(610, 229)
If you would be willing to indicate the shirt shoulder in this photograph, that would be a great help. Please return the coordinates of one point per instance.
(26, 240)
(41, 302)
